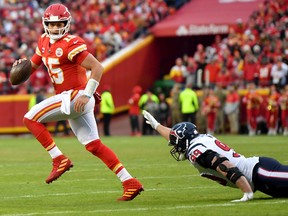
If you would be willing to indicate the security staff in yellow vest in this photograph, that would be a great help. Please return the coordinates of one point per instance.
(107, 109)
(189, 104)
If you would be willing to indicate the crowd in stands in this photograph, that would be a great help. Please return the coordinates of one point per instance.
(242, 77)
(256, 51)
(106, 26)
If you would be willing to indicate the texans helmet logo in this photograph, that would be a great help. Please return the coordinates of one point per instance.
(179, 131)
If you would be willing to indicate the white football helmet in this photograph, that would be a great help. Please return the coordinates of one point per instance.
(57, 13)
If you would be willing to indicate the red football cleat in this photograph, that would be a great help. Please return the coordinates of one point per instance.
(61, 164)
(132, 188)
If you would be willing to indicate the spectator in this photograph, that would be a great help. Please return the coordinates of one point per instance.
(191, 69)
(211, 71)
(226, 58)
(175, 106)
(153, 107)
(279, 72)
(200, 55)
(200, 119)
(163, 109)
(178, 71)
(209, 108)
(134, 111)
(3, 83)
(283, 100)
(224, 78)
(232, 108)
(200, 59)
(272, 111)
(107, 108)
(253, 101)
(148, 101)
(264, 73)
(220, 120)
(250, 69)
(237, 67)
(114, 38)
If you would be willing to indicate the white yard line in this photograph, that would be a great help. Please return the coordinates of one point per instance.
(98, 192)
(150, 208)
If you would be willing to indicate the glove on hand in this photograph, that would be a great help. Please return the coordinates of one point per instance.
(150, 119)
(246, 197)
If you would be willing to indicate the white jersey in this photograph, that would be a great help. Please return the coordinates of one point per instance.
(205, 142)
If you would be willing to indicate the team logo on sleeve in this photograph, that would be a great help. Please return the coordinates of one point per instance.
(59, 52)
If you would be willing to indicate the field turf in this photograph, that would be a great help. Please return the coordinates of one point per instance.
(90, 188)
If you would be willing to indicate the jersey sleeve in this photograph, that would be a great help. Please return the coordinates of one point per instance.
(37, 57)
(77, 50)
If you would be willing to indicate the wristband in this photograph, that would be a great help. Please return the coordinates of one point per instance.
(91, 87)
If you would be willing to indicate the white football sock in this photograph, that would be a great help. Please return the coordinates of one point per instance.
(55, 152)
(123, 175)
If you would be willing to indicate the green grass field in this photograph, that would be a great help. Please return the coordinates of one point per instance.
(171, 187)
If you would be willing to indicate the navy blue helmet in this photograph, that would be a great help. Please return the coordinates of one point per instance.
(180, 136)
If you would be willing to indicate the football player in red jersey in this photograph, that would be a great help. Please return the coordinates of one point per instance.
(272, 110)
(253, 102)
(210, 106)
(67, 60)
(283, 101)
(218, 162)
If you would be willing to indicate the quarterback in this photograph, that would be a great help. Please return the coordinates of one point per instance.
(67, 60)
(218, 162)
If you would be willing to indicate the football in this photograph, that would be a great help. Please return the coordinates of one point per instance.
(20, 72)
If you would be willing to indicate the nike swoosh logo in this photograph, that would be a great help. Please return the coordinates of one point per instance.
(75, 42)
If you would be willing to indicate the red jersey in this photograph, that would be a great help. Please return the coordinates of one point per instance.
(273, 101)
(134, 108)
(224, 79)
(254, 100)
(232, 97)
(283, 101)
(213, 70)
(265, 75)
(210, 104)
(62, 60)
(250, 71)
